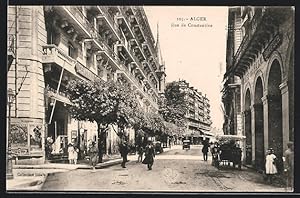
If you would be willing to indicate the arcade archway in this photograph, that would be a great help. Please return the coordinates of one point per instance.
(275, 109)
(248, 131)
(259, 125)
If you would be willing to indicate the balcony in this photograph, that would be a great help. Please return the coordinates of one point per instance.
(11, 50)
(107, 56)
(146, 67)
(192, 124)
(124, 51)
(154, 64)
(124, 72)
(53, 55)
(85, 72)
(141, 74)
(72, 19)
(262, 28)
(107, 19)
(136, 46)
(125, 21)
(153, 83)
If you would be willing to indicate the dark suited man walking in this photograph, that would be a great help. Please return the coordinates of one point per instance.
(124, 152)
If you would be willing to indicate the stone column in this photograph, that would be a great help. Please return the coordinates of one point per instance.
(253, 133)
(285, 113)
(244, 133)
(266, 121)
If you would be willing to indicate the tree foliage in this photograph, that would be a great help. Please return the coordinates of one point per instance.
(104, 102)
(149, 122)
(156, 122)
(173, 129)
(173, 106)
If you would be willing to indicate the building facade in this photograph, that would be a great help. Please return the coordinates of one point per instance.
(198, 113)
(259, 80)
(232, 85)
(54, 44)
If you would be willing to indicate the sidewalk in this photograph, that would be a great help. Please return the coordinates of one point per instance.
(32, 177)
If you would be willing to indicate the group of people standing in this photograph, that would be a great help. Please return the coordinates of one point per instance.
(272, 163)
(92, 152)
(271, 168)
(148, 150)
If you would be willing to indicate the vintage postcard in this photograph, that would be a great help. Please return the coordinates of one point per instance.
(150, 98)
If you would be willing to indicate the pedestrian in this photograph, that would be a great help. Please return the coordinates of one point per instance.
(270, 166)
(93, 153)
(48, 147)
(140, 154)
(149, 155)
(123, 148)
(76, 151)
(289, 165)
(205, 150)
(212, 150)
(71, 153)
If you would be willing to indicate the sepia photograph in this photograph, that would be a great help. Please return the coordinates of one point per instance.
(142, 99)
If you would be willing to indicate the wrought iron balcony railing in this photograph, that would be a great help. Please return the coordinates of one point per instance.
(79, 16)
(253, 24)
(110, 19)
(53, 50)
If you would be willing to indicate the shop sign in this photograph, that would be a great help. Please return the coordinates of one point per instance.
(85, 72)
(272, 46)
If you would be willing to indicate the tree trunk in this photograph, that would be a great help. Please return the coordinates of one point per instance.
(101, 142)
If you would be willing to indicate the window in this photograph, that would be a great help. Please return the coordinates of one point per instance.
(52, 37)
(71, 51)
(90, 61)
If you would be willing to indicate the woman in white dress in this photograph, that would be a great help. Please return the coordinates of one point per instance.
(71, 154)
(270, 165)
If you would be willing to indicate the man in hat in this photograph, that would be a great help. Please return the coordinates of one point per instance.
(124, 152)
(289, 165)
(149, 155)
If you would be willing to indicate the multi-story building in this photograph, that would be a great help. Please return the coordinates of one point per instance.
(54, 44)
(231, 87)
(259, 79)
(198, 113)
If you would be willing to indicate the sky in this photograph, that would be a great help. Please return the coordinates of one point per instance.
(193, 45)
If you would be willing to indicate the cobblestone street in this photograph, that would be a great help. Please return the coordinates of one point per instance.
(174, 170)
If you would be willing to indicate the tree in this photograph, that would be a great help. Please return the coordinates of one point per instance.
(173, 106)
(156, 123)
(103, 102)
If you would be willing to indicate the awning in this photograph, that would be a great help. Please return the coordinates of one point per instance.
(208, 133)
(232, 137)
(58, 97)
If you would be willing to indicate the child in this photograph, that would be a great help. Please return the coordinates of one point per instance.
(270, 165)
(71, 153)
(76, 151)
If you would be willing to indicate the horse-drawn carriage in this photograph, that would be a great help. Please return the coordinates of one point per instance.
(226, 151)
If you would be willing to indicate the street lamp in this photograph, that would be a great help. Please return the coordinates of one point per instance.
(9, 173)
